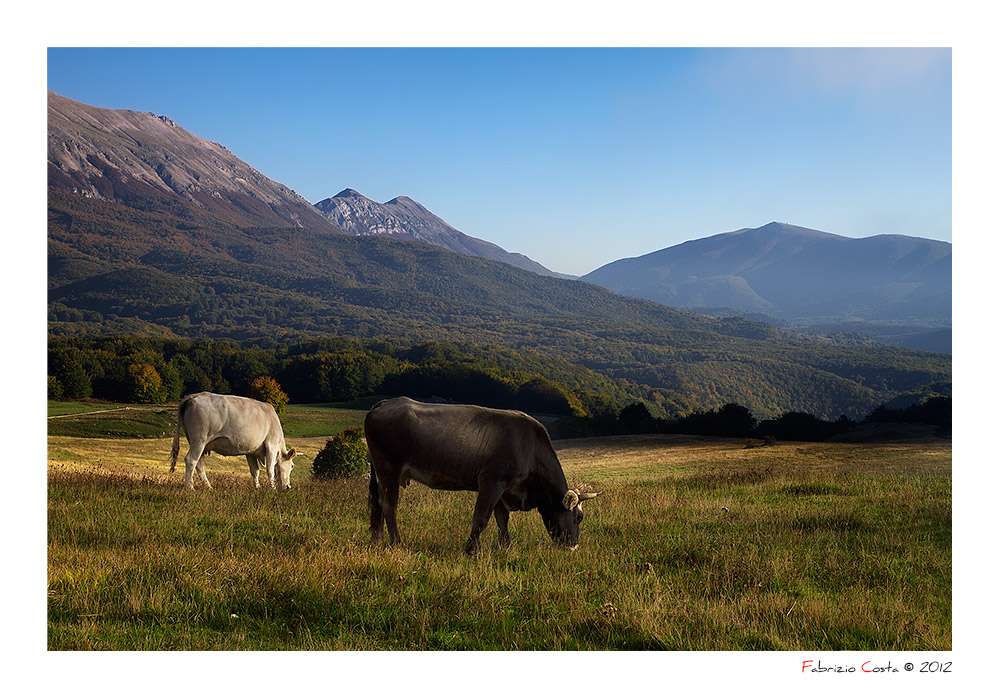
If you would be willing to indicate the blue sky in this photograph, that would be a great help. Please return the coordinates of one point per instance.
(574, 157)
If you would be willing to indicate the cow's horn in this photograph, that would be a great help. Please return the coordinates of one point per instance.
(570, 499)
(588, 496)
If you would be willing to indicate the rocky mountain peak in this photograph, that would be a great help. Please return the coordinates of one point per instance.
(349, 193)
(404, 218)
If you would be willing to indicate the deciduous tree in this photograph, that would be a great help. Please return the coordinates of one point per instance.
(266, 389)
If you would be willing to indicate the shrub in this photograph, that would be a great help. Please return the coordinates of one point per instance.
(343, 456)
(267, 390)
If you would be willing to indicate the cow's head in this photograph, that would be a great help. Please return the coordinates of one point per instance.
(285, 466)
(563, 519)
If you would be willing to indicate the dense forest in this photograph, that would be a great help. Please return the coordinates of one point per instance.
(154, 370)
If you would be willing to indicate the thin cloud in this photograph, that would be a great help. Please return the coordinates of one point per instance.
(869, 70)
(834, 73)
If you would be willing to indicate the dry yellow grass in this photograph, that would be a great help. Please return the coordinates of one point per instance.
(150, 458)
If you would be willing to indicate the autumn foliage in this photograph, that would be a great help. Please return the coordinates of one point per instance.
(266, 389)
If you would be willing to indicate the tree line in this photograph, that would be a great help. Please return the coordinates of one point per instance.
(153, 370)
(733, 420)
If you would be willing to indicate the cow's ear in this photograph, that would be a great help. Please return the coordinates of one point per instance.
(570, 499)
(291, 454)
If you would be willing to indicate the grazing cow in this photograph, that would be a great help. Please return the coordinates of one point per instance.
(504, 455)
(231, 426)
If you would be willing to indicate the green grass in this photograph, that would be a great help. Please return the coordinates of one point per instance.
(61, 407)
(99, 419)
(323, 419)
(694, 544)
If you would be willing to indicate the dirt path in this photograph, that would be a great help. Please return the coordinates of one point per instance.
(109, 410)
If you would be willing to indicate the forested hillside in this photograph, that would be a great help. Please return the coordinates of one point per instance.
(109, 275)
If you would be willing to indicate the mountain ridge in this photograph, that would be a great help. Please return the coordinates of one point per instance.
(803, 276)
(126, 156)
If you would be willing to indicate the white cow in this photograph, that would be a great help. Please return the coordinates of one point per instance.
(231, 426)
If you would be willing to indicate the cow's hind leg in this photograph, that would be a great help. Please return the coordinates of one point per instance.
(389, 500)
(254, 465)
(192, 459)
(502, 516)
(486, 503)
(201, 471)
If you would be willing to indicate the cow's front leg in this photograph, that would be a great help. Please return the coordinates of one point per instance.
(502, 516)
(271, 462)
(486, 502)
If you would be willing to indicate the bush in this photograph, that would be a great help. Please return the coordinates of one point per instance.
(343, 456)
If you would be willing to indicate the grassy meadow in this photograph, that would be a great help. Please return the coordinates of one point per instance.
(694, 544)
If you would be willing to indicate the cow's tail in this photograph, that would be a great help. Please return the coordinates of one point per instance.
(375, 517)
(176, 447)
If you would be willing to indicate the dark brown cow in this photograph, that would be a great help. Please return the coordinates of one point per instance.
(503, 455)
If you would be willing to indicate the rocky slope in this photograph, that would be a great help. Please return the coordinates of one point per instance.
(126, 156)
(403, 218)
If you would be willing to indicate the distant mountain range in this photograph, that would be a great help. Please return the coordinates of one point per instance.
(154, 231)
(895, 288)
(404, 219)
